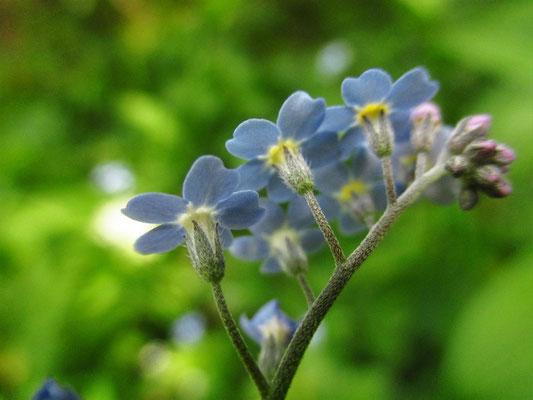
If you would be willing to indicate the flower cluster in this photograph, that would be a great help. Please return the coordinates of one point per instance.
(356, 158)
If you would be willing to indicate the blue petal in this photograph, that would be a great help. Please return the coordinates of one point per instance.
(161, 239)
(271, 266)
(253, 138)
(251, 248)
(331, 178)
(301, 115)
(312, 240)
(240, 210)
(338, 119)
(254, 175)
(266, 313)
(50, 390)
(401, 126)
(366, 165)
(372, 86)
(155, 208)
(226, 238)
(413, 88)
(330, 206)
(278, 191)
(272, 219)
(348, 226)
(208, 182)
(379, 194)
(250, 329)
(350, 140)
(299, 214)
(321, 149)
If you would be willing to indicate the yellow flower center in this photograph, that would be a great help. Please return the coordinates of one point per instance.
(276, 154)
(372, 111)
(353, 188)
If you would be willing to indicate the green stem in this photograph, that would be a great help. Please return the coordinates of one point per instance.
(238, 342)
(389, 180)
(306, 289)
(323, 223)
(303, 335)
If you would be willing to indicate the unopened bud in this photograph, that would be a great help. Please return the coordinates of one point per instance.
(480, 150)
(479, 121)
(468, 198)
(207, 256)
(501, 189)
(465, 133)
(487, 175)
(295, 172)
(426, 110)
(379, 134)
(503, 155)
(457, 166)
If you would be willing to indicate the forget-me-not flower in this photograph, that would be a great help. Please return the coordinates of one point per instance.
(209, 197)
(282, 240)
(263, 142)
(50, 390)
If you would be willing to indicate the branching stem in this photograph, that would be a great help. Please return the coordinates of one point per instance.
(306, 289)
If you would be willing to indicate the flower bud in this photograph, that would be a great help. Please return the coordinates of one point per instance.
(457, 166)
(488, 175)
(480, 150)
(466, 132)
(427, 110)
(503, 155)
(295, 172)
(207, 256)
(500, 189)
(468, 197)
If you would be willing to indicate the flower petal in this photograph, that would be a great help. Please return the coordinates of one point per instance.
(271, 266)
(401, 126)
(251, 329)
(240, 210)
(301, 115)
(412, 89)
(348, 226)
(272, 219)
(331, 178)
(338, 119)
(372, 86)
(299, 214)
(226, 238)
(155, 208)
(209, 182)
(365, 165)
(161, 239)
(321, 149)
(254, 175)
(278, 191)
(312, 240)
(251, 248)
(350, 140)
(253, 138)
(330, 206)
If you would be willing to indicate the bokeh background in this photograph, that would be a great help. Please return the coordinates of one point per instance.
(101, 100)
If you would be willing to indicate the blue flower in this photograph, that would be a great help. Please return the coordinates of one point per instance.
(373, 92)
(262, 142)
(209, 197)
(270, 321)
(281, 240)
(50, 390)
(352, 194)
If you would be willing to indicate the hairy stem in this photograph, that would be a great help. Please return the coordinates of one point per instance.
(303, 335)
(238, 342)
(323, 223)
(306, 289)
(421, 164)
(389, 180)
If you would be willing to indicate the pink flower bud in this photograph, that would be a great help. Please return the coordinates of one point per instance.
(504, 155)
(480, 150)
(488, 175)
(477, 121)
(425, 109)
(501, 189)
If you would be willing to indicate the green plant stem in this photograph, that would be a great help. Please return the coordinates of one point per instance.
(306, 289)
(421, 164)
(303, 335)
(331, 239)
(238, 342)
(389, 180)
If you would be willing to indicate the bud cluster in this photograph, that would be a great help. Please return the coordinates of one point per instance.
(479, 162)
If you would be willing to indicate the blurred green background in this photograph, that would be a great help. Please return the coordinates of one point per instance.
(101, 100)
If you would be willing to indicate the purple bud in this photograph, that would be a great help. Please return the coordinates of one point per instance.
(482, 121)
(427, 109)
(501, 189)
(468, 197)
(457, 166)
(488, 175)
(480, 150)
(504, 155)
(465, 133)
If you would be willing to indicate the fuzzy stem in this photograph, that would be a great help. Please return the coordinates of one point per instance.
(389, 180)
(421, 164)
(323, 223)
(238, 342)
(303, 335)
(306, 289)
